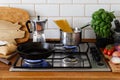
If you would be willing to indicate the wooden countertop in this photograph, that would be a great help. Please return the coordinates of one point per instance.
(58, 40)
(5, 74)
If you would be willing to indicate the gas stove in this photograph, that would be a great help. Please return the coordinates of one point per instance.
(84, 57)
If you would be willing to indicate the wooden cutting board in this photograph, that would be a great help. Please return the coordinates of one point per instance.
(114, 67)
(9, 31)
(17, 31)
(8, 56)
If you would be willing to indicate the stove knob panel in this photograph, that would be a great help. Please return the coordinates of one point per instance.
(95, 54)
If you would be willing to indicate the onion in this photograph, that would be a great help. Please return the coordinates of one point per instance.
(115, 60)
(116, 54)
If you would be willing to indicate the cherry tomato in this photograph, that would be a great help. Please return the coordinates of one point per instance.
(110, 51)
(105, 51)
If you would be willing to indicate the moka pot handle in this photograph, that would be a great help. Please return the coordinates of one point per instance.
(28, 26)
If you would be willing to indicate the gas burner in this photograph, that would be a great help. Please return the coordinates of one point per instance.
(70, 49)
(35, 63)
(70, 61)
(32, 61)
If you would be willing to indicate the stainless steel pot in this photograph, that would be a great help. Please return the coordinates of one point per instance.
(71, 38)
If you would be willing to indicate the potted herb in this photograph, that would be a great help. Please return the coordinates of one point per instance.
(101, 24)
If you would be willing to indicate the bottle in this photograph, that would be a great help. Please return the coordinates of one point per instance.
(116, 37)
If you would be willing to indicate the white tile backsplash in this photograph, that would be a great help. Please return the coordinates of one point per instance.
(84, 1)
(89, 9)
(10, 1)
(89, 33)
(4, 5)
(116, 9)
(77, 12)
(27, 7)
(71, 10)
(35, 1)
(47, 10)
(59, 1)
(52, 25)
(81, 21)
(109, 1)
(52, 33)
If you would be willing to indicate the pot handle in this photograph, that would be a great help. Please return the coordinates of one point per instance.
(85, 25)
(28, 26)
(60, 35)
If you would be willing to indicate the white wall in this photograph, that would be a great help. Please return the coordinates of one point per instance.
(77, 12)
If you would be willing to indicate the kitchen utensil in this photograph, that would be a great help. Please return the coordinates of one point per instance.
(117, 25)
(116, 31)
(3, 60)
(116, 37)
(74, 38)
(14, 15)
(35, 50)
(64, 26)
(3, 43)
(38, 29)
(9, 31)
(8, 56)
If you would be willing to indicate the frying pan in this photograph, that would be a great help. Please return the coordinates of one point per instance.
(35, 50)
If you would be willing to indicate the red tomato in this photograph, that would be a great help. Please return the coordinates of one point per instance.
(105, 51)
(110, 51)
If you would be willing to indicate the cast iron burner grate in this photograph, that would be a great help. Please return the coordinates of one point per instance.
(61, 59)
